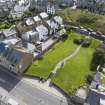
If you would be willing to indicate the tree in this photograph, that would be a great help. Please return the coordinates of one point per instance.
(98, 57)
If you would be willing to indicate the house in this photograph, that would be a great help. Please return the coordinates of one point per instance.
(31, 36)
(37, 20)
(9, 33)
(44, 16)
(15, 59)
(43, 32)
(13, 41)
(6, 6)
(53, 26)
(29, 22)
(60, 33)
(58, 20)
(19, 9)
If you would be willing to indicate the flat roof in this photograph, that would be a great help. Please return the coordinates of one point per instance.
(44, 15)
(12, 41)
(36, 18)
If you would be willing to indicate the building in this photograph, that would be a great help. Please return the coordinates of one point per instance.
(6, 6)
(37, 20)
(53, 26)
(13, 41)
(43, 32)
(31, 36)
(44, 16)
(8, 33)
(29, 22)
(20, 7)
(15, 59)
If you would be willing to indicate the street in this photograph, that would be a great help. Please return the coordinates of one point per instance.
(22, 92)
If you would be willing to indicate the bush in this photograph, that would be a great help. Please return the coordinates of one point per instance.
(90, 77)
(86, 43)
(64, 37)
(98, 57)
(78, 41)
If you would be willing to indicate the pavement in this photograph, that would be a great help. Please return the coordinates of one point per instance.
(25, 92)
(45, 86)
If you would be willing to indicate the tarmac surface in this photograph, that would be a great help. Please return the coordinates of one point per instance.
(25, 94)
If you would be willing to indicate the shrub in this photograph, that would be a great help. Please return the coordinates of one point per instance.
(90, 77)
(78, 41)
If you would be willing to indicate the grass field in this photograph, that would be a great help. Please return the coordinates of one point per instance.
(62, 49)
(84, 18)
(75, 71)
(73, 74)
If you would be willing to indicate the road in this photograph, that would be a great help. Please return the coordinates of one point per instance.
(22, 92)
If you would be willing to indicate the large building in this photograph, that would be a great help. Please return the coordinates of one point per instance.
(15, 59)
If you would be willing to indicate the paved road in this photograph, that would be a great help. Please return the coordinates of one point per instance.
(26, 93)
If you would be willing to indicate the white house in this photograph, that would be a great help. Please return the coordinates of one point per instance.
(29, 22)
(31, 36)
(44, 16)
(9, 33)
(58, 20)
(37, 20)
(43, 32)
(20, 8)
(53, 26)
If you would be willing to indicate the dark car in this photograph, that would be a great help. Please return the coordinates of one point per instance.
(99, 33)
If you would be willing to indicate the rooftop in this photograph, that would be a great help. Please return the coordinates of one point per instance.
(37, 18)
(9, 32)
(29, 21)
(44, 15)
(13, 41)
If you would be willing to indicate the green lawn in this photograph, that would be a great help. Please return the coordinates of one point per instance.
(62, 49)
(75, 71)
(103, 81)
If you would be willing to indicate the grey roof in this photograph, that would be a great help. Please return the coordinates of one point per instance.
(12, 55)
(9, 32)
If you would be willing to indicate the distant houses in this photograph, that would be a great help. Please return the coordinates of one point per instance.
(6, 6)
(26, 41)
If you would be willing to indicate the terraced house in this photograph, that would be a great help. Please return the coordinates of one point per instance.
(15, 59)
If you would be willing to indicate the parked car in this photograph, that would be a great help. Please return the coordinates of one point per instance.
(93, 33)
(99, 33)
(84, 31)
(89, 30)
